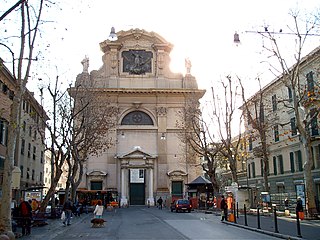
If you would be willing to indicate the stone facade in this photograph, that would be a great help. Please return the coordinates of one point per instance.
(147, 158)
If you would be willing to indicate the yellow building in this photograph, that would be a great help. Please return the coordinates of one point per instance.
(29, 152)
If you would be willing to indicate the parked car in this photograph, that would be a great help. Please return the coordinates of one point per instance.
(181, 205)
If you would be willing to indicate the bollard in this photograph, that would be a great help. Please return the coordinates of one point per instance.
(245, 215)
(258, 217)
(298, 225)
(234, 213)
(275, 219)
(237, 210)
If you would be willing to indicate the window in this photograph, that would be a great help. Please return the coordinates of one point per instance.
(280, 160)
(23, 142)
(276, 133)
(289, 94)
(299, 156)
(293, 126)
(30, 131)
(4, 88)
(34, 152)
(96, 185)
(27, 107)
(275, 170)
(32, 176)
(21, 169)
(24, 104)
(253, 165)
(250, 143)
(137, 118)
(249, 171)
(41, 157)
(261, 167)
(24, 126)
(274, 102)
(28, 173)
(292, 162)
(262, 113)
(310, 84)
(2, 162)
(35, 135)
(41, 176)
(29, 150)
(3, 132)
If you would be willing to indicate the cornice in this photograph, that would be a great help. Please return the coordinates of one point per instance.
(147, 91)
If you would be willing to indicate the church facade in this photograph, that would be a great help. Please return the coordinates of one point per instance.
(147, 157)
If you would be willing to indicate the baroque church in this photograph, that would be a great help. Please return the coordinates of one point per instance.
(148, 157)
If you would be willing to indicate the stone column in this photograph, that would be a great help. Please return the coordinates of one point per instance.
(123, 200)
(150, 200)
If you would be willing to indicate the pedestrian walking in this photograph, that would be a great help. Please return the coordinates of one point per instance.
(160, 201)
(67, 208)
(98, 211)
(224, 209)
(25, 213)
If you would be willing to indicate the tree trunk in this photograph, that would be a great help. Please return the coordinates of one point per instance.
(76, 184)
(51, 191)
(310, 197)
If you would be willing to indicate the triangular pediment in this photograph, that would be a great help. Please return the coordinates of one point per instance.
(137, 152)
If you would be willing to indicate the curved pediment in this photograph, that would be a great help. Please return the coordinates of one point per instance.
(176, 173)
(138, 36)
(97, 173)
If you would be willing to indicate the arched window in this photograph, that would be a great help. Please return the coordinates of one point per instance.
(137, 118)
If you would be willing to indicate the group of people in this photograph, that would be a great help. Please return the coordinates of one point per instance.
(68, 211)
(224, 207)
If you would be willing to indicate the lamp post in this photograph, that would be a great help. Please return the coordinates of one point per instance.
(16, 175)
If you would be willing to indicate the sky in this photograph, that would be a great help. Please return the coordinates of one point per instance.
(200, 30)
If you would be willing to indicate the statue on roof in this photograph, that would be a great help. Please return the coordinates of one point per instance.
(188, 65)
(85, 64)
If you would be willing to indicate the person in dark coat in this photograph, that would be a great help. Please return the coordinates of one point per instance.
(299, 206)
(224, 209)
(67, 208)
(25, 213)
(160, 201)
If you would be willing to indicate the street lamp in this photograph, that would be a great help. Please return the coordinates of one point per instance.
(236, 38)
(113, 36)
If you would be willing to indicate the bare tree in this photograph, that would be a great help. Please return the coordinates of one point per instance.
(224, 111)
(198, 137)
(30, 17)
(255, 112)
(59, 130)
(92, 119)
